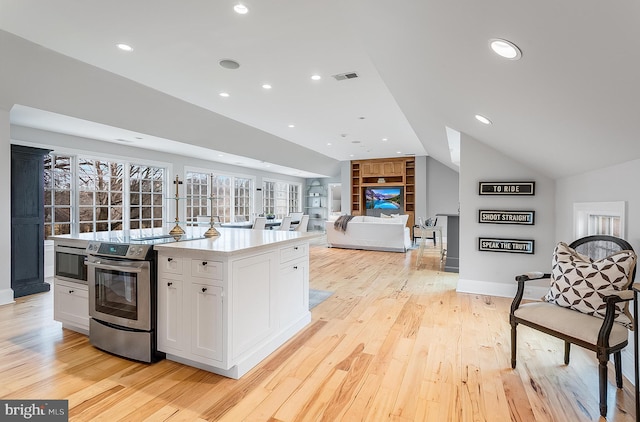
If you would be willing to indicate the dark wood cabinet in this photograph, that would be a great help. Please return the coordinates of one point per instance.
(27, 220)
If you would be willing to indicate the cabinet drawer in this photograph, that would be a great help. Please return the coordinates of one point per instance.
(206, 269)
(169, 264)
(293, 252)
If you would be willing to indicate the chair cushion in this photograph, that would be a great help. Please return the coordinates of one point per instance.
(568, 322)
(580, 283)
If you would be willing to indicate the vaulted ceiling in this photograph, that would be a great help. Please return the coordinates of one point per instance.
(423, 68)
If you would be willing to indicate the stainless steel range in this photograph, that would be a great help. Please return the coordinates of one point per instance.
(123, 296)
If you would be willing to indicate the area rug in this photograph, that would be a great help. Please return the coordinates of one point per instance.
(316, 297)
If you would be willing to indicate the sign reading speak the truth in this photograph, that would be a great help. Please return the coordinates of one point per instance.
(507, 188)
(505, 245)
(506, 217)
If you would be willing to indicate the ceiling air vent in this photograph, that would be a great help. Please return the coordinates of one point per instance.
(343, 76)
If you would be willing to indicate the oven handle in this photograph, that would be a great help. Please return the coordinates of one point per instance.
(115, 267)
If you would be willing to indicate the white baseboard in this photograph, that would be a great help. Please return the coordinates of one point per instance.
(6, 296)
(491, 288)
(487, 288)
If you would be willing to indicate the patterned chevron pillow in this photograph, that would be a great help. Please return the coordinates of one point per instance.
(580, 283)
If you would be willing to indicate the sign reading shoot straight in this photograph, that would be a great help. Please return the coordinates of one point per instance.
(506, 217)
(507, 188)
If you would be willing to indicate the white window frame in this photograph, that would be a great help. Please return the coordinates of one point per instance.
(230, 175)
(583, 211)
(75, 194)
(287, 200)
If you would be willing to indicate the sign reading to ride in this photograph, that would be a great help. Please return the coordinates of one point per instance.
(505, 245)
(507, 188)
(506, 217)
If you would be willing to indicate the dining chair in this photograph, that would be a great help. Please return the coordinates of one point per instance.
(286, 223)
(304, 222)
(260, 223)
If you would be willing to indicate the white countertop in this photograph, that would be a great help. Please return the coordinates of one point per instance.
(236, 240)
(231, 239)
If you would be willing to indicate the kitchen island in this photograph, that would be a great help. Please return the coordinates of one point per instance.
(226, 303)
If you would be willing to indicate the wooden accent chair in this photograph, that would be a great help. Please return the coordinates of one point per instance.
(587, 302)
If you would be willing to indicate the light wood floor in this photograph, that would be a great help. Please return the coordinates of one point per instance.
(394, 343)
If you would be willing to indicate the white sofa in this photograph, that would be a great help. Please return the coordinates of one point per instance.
(371, 233)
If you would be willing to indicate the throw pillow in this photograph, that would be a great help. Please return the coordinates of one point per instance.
(580, 283)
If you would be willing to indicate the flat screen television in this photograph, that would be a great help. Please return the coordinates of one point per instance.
(387, 198)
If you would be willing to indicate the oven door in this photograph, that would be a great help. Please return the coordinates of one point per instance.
(70, 264)
(120, 292)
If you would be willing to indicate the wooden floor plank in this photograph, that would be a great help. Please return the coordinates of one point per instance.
(393, 343)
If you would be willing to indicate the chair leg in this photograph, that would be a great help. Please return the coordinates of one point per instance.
(567, 352)
(602, 374)
(514, 335)
(617, 360)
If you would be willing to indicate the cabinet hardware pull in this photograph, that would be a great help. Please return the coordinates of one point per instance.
(204, 263)
(169, 284)
(169, 259)
(70, 291)
(204, 289)
(295, 248)
(295, 267)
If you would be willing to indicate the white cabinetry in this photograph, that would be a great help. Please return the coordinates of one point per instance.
(190, 306)
(226, 312)
(171, 323)
(71, 305)
(206, 318)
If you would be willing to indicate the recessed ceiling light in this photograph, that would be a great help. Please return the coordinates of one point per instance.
(292, 125)
(399, 152)
(384, 139)
(483, 119)
(241, 9)
(229, 64)
(328, 143)
(266, 86)
(220, 155)
(124, 47)
(316, 77)
(505, 49)
(224, 94)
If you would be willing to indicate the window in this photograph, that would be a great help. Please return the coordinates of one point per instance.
(58, 177)
(146, 187)
(227, 203)
(281, 198)
(242, 191)
(598, 218)
(100, 195)
(86, 194)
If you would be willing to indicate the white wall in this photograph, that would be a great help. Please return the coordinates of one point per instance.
(493, 273)
(442, 196)
(6, 293)
(615, 183)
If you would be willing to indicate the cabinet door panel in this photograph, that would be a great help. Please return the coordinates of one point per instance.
(206, 335)
(171, 332)
(252, 302)
(293, 292)
(71, 304)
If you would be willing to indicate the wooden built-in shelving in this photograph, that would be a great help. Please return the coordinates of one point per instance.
(394, 171)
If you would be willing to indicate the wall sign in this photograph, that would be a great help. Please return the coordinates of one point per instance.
(506, 217)
(490, 244)
(507, 188)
